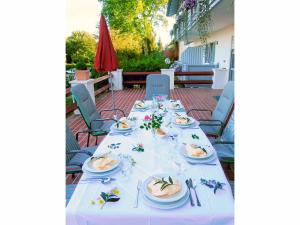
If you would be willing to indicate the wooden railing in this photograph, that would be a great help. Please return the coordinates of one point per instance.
(100, 85)
(196, 73)
(139, 78)
(132, 78)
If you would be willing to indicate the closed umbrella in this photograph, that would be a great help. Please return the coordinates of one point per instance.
(106, 58)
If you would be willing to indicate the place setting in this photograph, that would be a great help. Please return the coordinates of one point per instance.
(176, 106)
(184, 122)
(125, 126)
(100, 167)
(163, 191)
(196, 153)
(140, 106)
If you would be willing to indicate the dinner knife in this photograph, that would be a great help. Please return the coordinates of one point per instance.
(190, 194)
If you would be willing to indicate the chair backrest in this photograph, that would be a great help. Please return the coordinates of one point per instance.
(225, 102)
(157, 85)
(85, 104)
(228, 132)
(71, 143)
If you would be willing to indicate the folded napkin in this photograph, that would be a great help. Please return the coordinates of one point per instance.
(195, 150)
(103, 163)
(161, 132)
(170, 190)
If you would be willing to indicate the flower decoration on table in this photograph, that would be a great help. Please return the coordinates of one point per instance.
(138, 148)
(114, 145)
(194, 136)
(154, 123)
(147, 118)
(111, 196)
(213, 184)
(159, 98)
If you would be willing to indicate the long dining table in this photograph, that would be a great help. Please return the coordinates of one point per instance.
(157, 157)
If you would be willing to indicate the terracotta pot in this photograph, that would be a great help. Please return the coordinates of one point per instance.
(82, 74)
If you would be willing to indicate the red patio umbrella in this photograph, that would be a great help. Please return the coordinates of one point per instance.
(106, 58)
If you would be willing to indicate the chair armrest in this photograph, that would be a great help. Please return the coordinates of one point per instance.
(223, 143)
(81, 131)
(199, 110)
(75, 164)
(227, 159)
(80, 151)
(108, 110)
(220, 123)
(104, 119)
(97, 120)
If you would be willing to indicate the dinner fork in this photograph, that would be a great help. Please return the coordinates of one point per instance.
(138, 187)
(193, 186)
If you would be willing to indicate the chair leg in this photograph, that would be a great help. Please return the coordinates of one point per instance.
(96, 140)
(73, 175)
(88, 140)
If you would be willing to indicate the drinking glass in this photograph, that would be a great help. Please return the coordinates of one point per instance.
(126, 167)
(179, 164)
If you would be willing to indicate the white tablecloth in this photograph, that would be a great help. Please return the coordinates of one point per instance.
(216, 208)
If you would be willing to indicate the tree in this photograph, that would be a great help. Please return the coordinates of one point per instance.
(80, 46)
(137, 17)
(127, 41)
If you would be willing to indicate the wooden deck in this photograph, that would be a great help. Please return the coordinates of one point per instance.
(190, 97)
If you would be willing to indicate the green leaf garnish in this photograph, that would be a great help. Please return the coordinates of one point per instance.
(164, 183)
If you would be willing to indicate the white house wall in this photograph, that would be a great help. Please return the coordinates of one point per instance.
(223, 48)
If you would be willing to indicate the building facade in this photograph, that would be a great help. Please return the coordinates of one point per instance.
(218, 51)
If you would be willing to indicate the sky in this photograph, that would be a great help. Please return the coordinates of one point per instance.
(84, 15)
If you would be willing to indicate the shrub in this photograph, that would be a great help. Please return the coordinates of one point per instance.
(131, 61)
(95, 74)
(81, 65)
(70, 66)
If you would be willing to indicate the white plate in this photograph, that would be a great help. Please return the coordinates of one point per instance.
(88, 164)
(105, 174)
(140, 108)
(208, 150)
(172, 205)
(199, 161)
(171, 199)
(192, 120)
(175, 109)
(114, 127)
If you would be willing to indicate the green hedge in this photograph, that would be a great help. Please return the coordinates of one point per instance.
(70, 66)
(133, 62)
(73, 65)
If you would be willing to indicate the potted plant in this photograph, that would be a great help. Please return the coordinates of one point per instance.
(82, 73)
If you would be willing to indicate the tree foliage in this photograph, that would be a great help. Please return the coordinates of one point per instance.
(125, 42)
(80, 46)
(136, 17)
